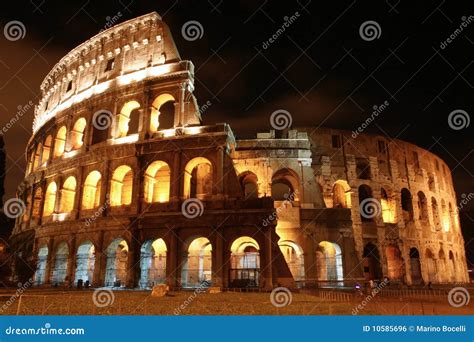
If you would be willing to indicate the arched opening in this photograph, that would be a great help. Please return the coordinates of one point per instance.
(435, 212)
(452, 266)
(153, 263)
(85, 261)
(431, 269)
(77, 134)
(50, 199)
(162, 113)
(47, 149)
(388, 208)
(41, 265)
(329, 261)
(197, 263)
(198, 178)
(157, 183)
(341, 195)
(451, 215)
(37, 158)
(117, 259)
(445, 216)
(285, 185)
(431, 182)
(365, 194)
(423, 207)
(91, 192)
(37, 201)
(249, 184)
(372, 267)
(68, 195)
(60, 142)
(128, 119)
(443, 272)
(59, 276)
(294, 257)
(100, 126)
(245, 262)
(395, 266)
(407, 205)
(121, 186)
(415, 266)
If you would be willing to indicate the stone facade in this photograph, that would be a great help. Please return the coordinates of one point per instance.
(125, 187)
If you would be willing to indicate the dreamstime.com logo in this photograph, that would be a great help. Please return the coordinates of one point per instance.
(458, 297)
(103, 297)
(281, 297)
(192, 208)
(281, 119)
(370, 30)
(370, 208)
(14, 208)
(458, 119)
(192, 30)
(14, 30)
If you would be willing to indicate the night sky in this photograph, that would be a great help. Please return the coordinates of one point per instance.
(320, 69)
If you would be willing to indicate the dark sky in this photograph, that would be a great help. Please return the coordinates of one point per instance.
(320, 69)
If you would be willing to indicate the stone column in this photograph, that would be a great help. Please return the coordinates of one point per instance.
(219, 179)
(268, 272)
(133, 262)
(100, 261)
(49, 263)
(218, 258)
(71, 264)
(172, 271)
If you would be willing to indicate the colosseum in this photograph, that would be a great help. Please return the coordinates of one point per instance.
(126, 187)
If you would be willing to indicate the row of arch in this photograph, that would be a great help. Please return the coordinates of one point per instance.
(196, 263)
(443, 217)
(60, 198)
(103, 125)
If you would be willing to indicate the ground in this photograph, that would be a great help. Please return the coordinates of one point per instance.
(82, 302)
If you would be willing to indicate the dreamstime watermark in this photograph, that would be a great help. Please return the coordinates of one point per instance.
(459, 119)
(102, 119)
(375, 113)
(21, 110)
(111, 21)
(205, 107)
(465, 22)
(458, 297)
(14, 208)
(288, 21)
(281, 297)
(14, 30)
(192, 208)
(370, 30)
(202, 288)
(370, 208)
(281, 119)
(465, 199)
(375, 291)
(21, 289)
(99, 212)
(192, 30)
(103, 297)
(286, 203)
